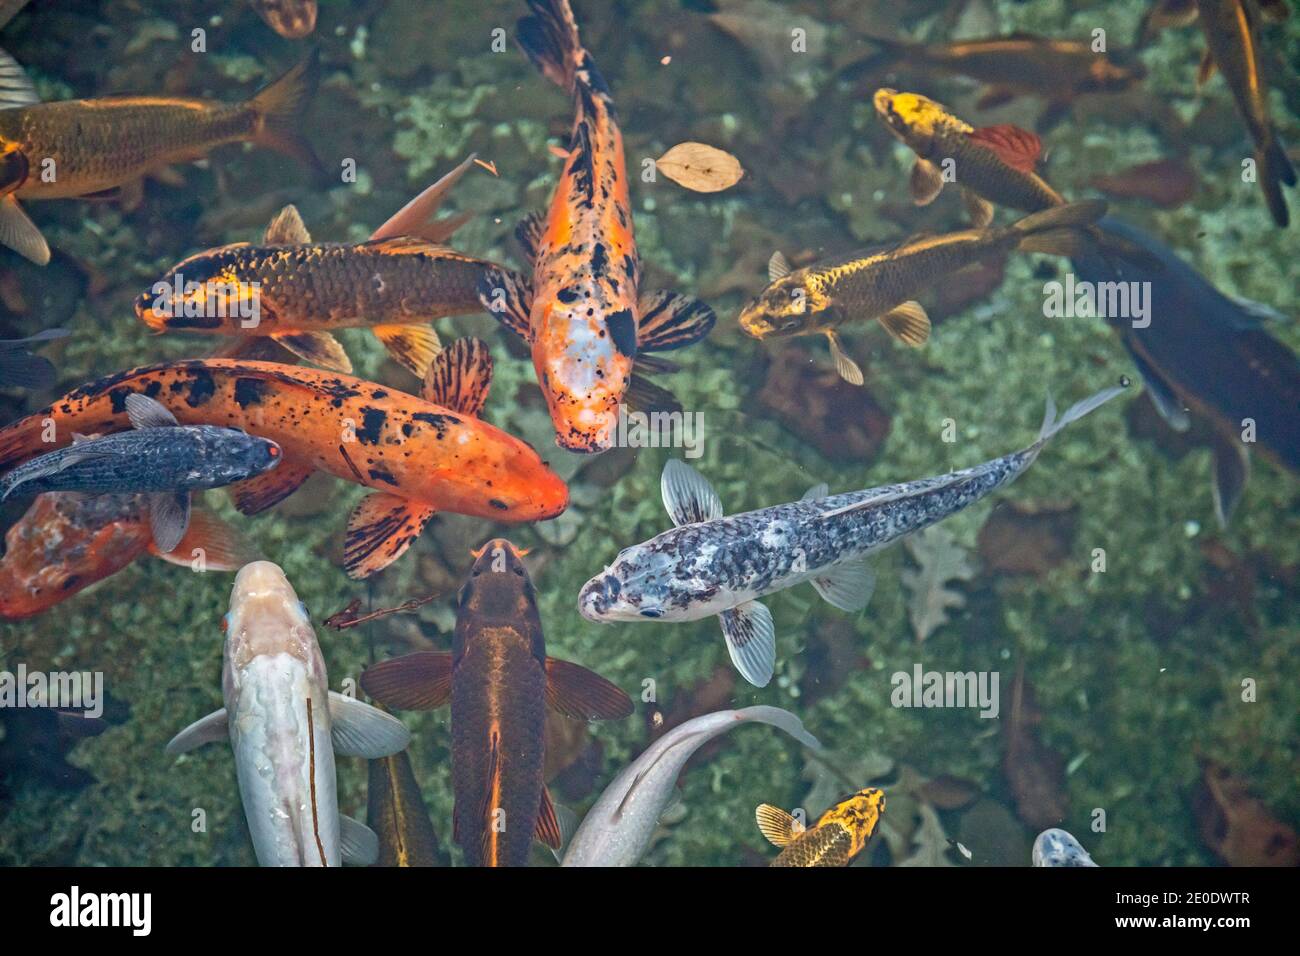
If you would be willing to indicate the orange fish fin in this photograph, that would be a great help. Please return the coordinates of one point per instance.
(211, 541)
(280, 105)
(778, 826)
(319, 348)
(576, 692)
(548, 824)
(669, 320)
(419, 681)
(529, 234)
(412, 346)
(459, 377)
(287, 229)
(508, 296)
(1018, 148)
(415, 218)
(255, 495)
(485, 806)
(380, 529)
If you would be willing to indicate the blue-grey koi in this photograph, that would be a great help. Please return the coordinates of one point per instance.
(618, 828)
(1058, 848)
(709, 564)
(161, 458)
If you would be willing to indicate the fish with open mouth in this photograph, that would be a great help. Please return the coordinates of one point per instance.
(581, 311)
(500, 683)
(710, 565)
(879, 284)
(159, 457)
(94, 148)
(298, 292)
(836, 839)
(285, 726)
(420, 454)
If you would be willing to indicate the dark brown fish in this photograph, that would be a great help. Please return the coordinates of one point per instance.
(395, 810)
(292, 19)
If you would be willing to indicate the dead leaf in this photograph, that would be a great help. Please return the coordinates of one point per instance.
(1028, 538)
(1034, 772)
(704, 169)
(1238, 827)
(940, 560)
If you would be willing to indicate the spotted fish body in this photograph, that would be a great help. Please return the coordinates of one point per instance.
(715, 565)
(836, 839)
(419, 456)
(1056, 847)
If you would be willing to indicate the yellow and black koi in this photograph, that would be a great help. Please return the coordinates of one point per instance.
(880, 285)
(836, 839)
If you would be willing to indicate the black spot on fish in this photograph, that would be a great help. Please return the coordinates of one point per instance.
(153, 388)
(249, 391)
(372, 423)
(439, 422)
(202, 388)
(599, 259)
(622, 330)
(379, 474)
(498, 503)
(118, 398)
(567, 296)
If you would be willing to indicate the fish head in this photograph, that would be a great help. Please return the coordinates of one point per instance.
(231, 455)
(782, 309)
(914, 119)
(266, 619)
(859, 814)
(206, 291)
(498, 583)
(13, 167)
(638, 586)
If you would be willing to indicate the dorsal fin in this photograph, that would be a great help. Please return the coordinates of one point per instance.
(286, 229)
(415, 218)
(1018, 148)
(459, 377)
(144, 412)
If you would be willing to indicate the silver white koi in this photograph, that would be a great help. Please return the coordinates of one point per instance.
(1056, 847)
(617, 829)
(709, 564)
(285, 727)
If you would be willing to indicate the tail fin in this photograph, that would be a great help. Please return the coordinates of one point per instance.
(281, 104)
(1052, 424)
(549, 37)
(1061, 230)
(1275, 169)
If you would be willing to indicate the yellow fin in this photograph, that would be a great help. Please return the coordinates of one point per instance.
(778, 826)
(319, 348)
(925, 183)
(844, 366)
(908, 323)
(414, 346)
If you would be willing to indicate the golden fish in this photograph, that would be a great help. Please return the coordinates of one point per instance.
(838, 836)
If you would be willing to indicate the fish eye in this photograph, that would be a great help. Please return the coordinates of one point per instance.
(651, 612)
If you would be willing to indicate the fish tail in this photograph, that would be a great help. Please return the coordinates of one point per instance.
(1275, 169)
(781, 719)
(279, 107)
(549, 37)
(1060, 230)
(1052, 424)
(20, 441)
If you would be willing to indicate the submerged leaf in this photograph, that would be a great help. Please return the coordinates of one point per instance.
(940, 560)
(704, 169)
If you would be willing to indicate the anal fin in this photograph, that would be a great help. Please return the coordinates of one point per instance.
(380, 529)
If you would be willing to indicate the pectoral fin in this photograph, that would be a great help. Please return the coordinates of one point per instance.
(169, 517)
(751, 641)
(1167, 403)
(358, 844)
(1231, 472)
(925, 183)
(319, 348)
(419, 681)
(380, 529)
(16, 87)
(460, 376)
(255, 495)
(846, 586)
(222, 547)
(907, 323)
(644, 395)
(778, 826)
(979, 209)
(688, 496)
(669, 320)
(205, 730)
(359, 730)
(20, 234)
(413, 346)
(576, 692)
(845, 367)
(528, 233)
(508, 297)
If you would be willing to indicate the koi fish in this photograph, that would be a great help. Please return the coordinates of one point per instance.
(836, 839)
(161, 458)
(1020, 64)
(395, 810)
(1205, 356)
(419, 454)
(292, 19)
(500, 683)
(581, 311)
(285, 726)
(879, 284)
(20, 368)
(710, 565)
(619, 826)
(67, 541)
(1232, 43)
(297, 291)
(1056, 847)
(84, 148)
(995, 164)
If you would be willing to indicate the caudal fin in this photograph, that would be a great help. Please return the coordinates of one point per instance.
(1275, 169)
(549, 37)
(1061, 230)
(280, 105)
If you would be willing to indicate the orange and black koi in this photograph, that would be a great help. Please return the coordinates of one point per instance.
(500, 683)
(838, 836)
(297, 292)
(421, 454)
(581, 311)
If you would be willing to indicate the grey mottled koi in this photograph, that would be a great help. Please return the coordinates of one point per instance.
(709, 564)
(1058, 848)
